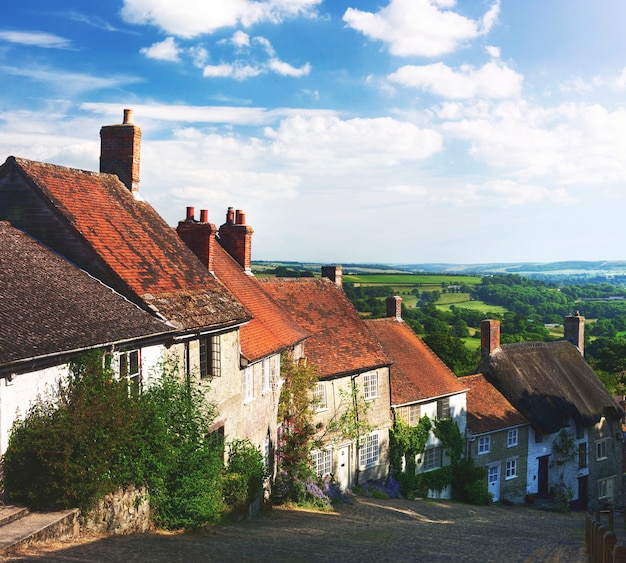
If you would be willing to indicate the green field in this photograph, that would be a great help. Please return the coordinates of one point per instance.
(462, 300)
(411, 280)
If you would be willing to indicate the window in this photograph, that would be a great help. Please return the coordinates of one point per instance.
(511, 469)
(248, 384)
(266, 375)
(493, 474)
(484, 445)
(128, 368)
(319, 396)
(370, 383)
(443, 408)
(210, 357)
(410, 415)
(605, 489)
(580, 431)
(512, 438)
(582, 455)
(601, 449)
(369, 453)
(322, 461)
(432, 458)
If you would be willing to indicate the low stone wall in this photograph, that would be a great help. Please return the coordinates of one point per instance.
(125, 512)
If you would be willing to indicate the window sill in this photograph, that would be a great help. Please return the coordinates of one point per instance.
(248, 401)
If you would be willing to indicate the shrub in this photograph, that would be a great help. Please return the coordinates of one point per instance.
(245, 474)
(469, 484)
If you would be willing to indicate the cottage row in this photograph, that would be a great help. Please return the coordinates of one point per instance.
(86, 263)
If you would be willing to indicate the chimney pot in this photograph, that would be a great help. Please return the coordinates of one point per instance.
(230, 216)
(120, 151)
(128, 117)
(190, 214)
(204, 216)
(240, 217)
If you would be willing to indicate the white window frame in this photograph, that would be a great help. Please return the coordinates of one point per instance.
(369, 452)
(510, 469)
(370, 385)
(266, 376)
(493, 474)
(248, 384)
(431, 458)
(603, 486)
(512, 438)
(602, 449)
(322, 461)
(484, 445)
(126, 361)
(319, 396)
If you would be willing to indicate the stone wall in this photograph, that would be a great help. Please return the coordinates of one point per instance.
(125, 512)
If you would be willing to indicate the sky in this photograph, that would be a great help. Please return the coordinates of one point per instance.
(387, 131)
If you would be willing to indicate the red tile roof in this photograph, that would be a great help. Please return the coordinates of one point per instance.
(416, 373)
(340, 343)
(133, 241)
(271, 329)
(50, 307)
(487, 409)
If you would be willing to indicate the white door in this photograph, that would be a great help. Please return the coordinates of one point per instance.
(493, 481)
(343, 467)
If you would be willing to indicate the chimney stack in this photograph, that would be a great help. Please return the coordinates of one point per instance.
(236, 238)
(394, 307)
(199, 236)
(574, 326)
(119, 151)
(489, 337)
(334, 274)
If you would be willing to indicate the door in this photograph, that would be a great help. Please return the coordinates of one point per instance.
(542, 478)
(582, 493)
(343, 467)
(493, 481)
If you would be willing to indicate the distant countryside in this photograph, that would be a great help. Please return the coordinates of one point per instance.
(446, 308)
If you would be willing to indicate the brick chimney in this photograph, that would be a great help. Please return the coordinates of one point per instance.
(394, 307)
(119, 151)
(334, 274)
(199, 236)
(489, 337)
(236, 237)
(575, 331)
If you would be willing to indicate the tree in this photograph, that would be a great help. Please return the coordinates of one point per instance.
(453, 352)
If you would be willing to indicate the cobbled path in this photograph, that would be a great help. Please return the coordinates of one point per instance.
(366, 530)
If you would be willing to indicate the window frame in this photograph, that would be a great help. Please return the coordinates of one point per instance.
(369, 451)
(210, 356)
(322, 461)
(129, 369)
(484, 445)
(266, 376)
(583, 456)
(320, 397)
(370, 385)
(512, 438)
(602, 449)
(432, 458)
(510, 469)
(248, 384)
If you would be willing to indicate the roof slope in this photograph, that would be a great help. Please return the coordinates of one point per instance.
(340, 343)
(49, 306)
(487, 409)
(548, 382)
(416, 373)
(134, 242)
(271, 329)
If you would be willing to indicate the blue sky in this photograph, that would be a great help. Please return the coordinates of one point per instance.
(396, 131)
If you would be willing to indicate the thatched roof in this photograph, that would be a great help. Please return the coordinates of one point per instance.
(549, 382)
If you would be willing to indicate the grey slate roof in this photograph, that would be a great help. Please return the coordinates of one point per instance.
(547, 382)
(49, 306)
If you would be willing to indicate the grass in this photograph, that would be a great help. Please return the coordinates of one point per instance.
(411, 280)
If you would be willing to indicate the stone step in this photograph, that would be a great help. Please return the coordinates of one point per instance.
(9, 513)
(32, 527)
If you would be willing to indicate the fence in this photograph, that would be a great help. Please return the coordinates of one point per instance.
(601, 541)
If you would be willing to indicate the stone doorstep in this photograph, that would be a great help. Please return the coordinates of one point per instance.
(34, 527)
(9, 513)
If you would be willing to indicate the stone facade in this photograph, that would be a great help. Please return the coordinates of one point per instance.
(126, 511)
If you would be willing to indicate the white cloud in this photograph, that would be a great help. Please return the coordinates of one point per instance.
(190, 18)
(493, 51)
(567, 144)
(166, 50)
(493, 80)
(70, 82)
(240, 39)
(285, 69)
(420, 27)
(328, 144)
(35, 39)
(238, 71)
(620, 82)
